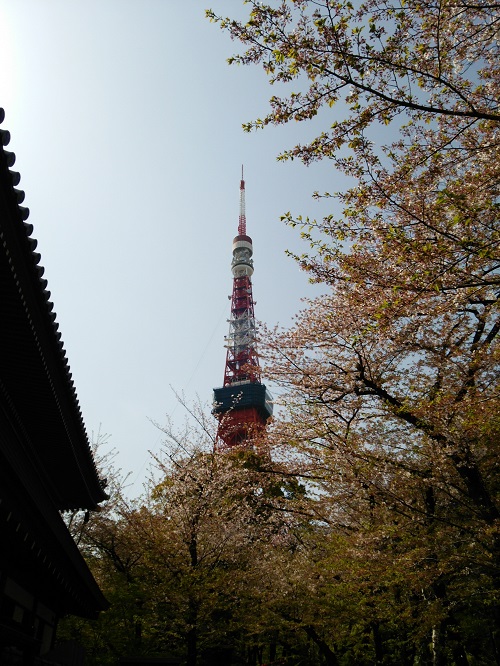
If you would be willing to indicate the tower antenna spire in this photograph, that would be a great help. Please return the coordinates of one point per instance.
(242, 225)
(242, 405)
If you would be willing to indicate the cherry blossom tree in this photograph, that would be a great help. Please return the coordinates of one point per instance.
(391, 410)
(187, 568)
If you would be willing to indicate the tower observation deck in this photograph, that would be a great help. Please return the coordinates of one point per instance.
(242, 405)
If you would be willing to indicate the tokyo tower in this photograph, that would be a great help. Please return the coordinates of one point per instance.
(242, 405)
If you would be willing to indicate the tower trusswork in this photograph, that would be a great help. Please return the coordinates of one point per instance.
(242, 405)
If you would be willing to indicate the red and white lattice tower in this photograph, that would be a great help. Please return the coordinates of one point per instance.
(242, 405)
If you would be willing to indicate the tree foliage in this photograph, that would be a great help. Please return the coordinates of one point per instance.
(392, 374)
(186, 566)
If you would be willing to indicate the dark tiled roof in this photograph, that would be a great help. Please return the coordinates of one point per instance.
(35, 377)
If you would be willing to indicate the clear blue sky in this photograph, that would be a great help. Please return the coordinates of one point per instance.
(126, 123)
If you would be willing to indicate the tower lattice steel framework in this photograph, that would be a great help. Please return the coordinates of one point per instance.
(242, 405)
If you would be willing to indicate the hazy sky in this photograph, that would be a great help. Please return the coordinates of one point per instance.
(126, 122)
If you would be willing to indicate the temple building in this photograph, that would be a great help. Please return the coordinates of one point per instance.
(46, 463)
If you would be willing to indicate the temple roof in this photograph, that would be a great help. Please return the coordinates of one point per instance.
(36, 385)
